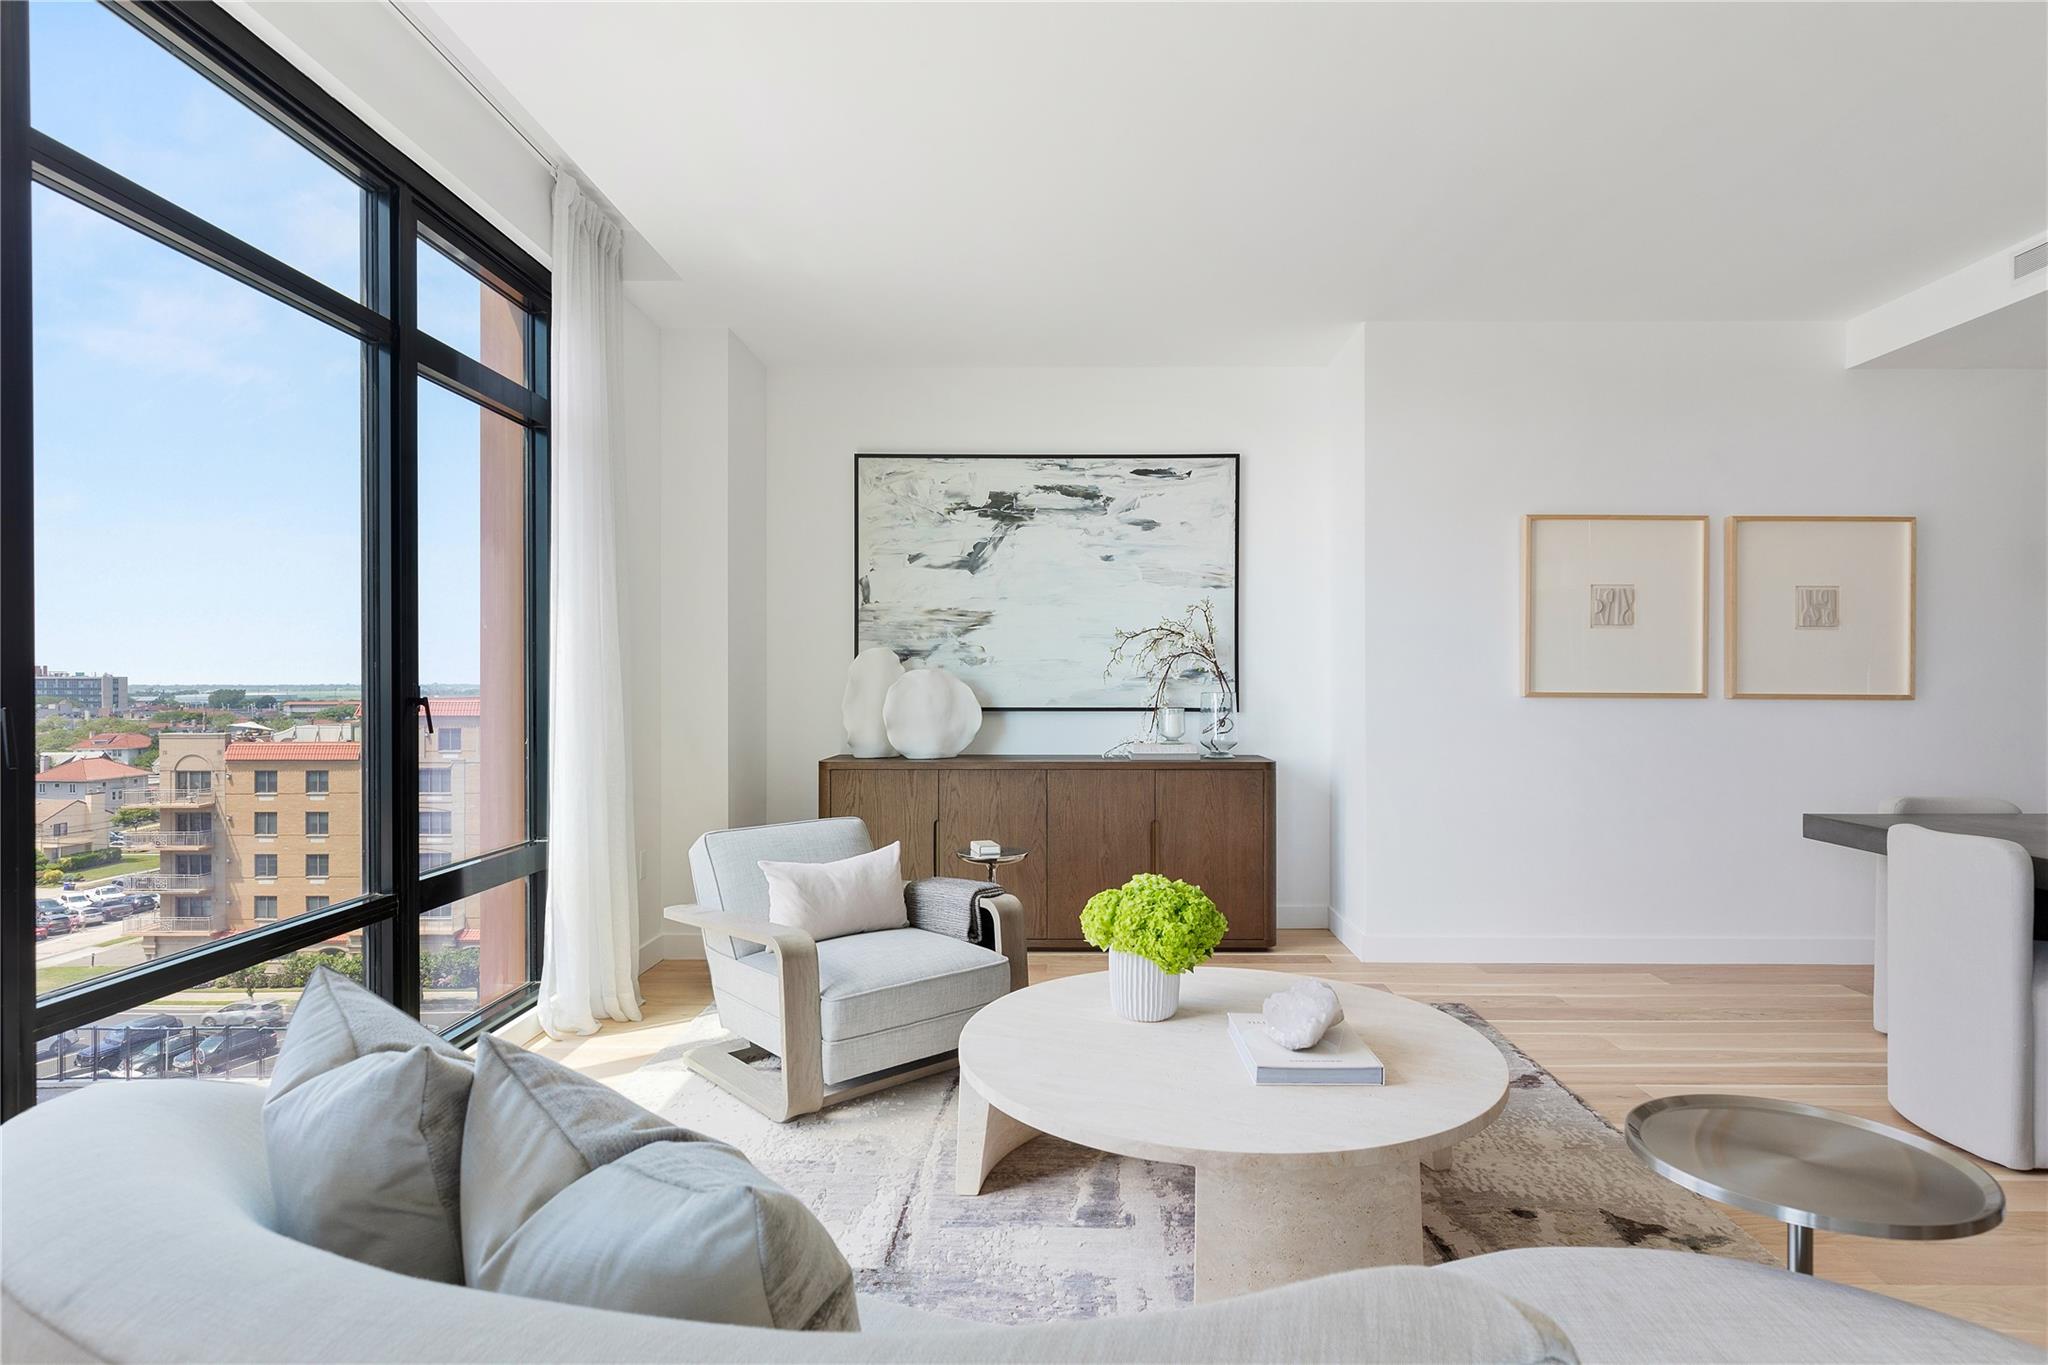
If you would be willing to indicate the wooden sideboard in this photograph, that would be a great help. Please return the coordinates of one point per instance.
(1089, 823)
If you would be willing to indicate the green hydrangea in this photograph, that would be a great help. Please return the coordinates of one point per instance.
(1171, 924)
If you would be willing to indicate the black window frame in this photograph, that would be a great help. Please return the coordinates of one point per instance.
(259, 831)
(402, 203)
(326, 787)
(263, 787)
(319, 816)
(259, 861)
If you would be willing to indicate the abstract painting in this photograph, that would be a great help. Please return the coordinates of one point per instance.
(1817, 607)
(1614, 606)
(1013, 572)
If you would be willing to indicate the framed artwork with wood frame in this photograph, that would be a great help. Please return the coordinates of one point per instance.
(1614, 605)
(1818, 608)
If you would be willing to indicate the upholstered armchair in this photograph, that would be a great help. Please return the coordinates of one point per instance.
(847, 1016)
(1968, 1059)
(1880, 976)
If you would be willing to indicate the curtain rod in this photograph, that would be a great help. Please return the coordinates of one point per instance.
(404, 12)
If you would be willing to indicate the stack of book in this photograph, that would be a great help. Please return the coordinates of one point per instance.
(1341, 1058)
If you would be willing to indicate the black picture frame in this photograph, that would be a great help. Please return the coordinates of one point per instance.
(1120, 457)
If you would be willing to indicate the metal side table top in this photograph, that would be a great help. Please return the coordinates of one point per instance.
(1813, 1168)
(1003, 859)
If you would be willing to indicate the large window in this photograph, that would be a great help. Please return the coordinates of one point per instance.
(303, 388)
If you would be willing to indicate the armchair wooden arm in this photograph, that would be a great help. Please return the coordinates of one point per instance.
(799, 1087)
(1002, 928)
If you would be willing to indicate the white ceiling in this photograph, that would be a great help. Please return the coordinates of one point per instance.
(1167, 183)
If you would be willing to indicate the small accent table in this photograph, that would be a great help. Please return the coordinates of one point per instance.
(1003, 859)
(1812, 1168)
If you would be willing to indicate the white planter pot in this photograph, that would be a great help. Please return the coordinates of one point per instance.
(1139, 990)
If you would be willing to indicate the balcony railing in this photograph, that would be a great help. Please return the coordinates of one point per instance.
(170, 881)
(163, 922)
(190, 796)
(168, 838)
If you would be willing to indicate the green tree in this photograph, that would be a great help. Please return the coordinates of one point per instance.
(224, 698)
(134, 815)
(335, 713)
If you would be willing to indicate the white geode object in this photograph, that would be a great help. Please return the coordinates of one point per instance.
(868, 679)
(1299, 1016)
(929, 713)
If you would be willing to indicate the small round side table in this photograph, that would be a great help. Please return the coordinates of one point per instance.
(1810, 1167)
(1003, 859)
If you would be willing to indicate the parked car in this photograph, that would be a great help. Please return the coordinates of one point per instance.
(164, 1052)
(116, 839)
(42, 930)
(56, 1045)
(119, 909)
(143, 903)
(227, 1049)
(53, 917)
(110, 894)
(75, 901)
(265, 1013)
(111, 1046)
(92, 914)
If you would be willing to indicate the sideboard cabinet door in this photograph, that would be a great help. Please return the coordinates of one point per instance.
(1098, 834)
(1213, 832)
(900, 805)
(1003, 804)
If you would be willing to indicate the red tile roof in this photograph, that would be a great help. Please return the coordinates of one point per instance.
(120, 741)
(457, 706)
(89, 770)
(285, 752)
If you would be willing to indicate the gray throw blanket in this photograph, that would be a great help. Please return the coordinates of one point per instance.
(946, 905)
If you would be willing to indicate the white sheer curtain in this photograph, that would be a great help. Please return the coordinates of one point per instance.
(589, 973)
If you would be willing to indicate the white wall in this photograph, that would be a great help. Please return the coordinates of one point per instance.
(818, 419)
(1495, 827)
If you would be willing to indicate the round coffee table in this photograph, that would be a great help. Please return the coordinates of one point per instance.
(1812, 1168)
(1291, 1181)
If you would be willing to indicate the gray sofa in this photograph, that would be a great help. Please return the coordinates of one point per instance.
(136, 1224)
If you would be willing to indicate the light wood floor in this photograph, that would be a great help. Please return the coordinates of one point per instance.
(1619, 1035)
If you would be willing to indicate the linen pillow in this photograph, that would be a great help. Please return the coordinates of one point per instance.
(571, 1192)
(363, 1129)
(830, 900)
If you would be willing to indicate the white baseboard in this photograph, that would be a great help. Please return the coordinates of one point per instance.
(522, 1029)
(1301, 916)
(677, 941)
(1601, 948)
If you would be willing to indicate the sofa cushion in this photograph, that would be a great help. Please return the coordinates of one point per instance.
(572, 1193)
(363, 1126)
(884, 980)
(856, 895)
(1618, 1304)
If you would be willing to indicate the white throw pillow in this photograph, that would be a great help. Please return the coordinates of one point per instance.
(829, 900)
(573, 1193)
(363, 1129)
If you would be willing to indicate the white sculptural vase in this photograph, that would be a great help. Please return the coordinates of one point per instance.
(1139, 990)
(868, 680)
(929, 713)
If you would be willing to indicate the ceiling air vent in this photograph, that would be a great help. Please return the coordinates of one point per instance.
(2025, 263)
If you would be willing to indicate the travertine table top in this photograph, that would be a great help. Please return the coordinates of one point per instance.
(1056, 1057)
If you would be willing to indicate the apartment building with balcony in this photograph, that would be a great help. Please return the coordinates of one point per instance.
(191, 882)
(254, 831)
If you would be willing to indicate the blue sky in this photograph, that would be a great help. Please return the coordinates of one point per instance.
(198, 448)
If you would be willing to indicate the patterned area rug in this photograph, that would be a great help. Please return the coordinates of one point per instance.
(1065, 1232)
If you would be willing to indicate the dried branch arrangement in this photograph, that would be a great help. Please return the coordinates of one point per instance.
(1162, 654)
